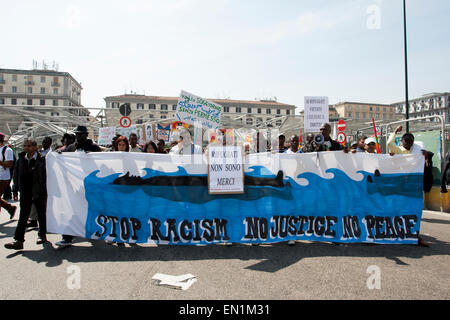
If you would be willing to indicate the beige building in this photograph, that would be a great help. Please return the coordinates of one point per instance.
(152, 108)
(40, 88)
(365, 111)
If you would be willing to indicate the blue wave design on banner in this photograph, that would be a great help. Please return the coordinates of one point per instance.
(380, 208)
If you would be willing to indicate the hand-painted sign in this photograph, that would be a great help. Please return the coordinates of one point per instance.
(105, 135)
(192, 109)
(375, 199)
(225, 170)
(316, 113)
(163, 132)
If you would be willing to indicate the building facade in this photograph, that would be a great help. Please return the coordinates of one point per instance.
(359, 111)
(40, 88)
(427, 105)
(153, 108)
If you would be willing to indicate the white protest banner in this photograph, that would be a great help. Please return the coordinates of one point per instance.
(316, 113)
(105, 135)
(225, 170)
(371, 198)
(192, 109)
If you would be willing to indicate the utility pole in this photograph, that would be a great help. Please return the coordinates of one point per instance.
(406, 66)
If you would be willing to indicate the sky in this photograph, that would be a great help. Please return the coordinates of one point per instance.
(348, 50)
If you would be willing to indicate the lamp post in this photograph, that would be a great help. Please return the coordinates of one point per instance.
(406, 66)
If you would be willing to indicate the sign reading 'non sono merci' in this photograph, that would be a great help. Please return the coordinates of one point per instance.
(225, 170)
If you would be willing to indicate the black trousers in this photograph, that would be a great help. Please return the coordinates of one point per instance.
(25, 209)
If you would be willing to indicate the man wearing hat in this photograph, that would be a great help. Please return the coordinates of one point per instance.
(371, 145)
(82, 143)
(6, 162)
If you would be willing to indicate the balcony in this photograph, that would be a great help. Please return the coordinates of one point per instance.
(29, 83)
(56, 84)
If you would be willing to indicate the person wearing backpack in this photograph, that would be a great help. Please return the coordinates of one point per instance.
(5, 175)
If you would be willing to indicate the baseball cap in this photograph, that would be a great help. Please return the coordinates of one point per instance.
(370, 140)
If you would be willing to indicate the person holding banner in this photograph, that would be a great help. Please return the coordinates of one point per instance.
(121, 144)
(82, 143)
(31, 175)
(150, 147)
(134, 147)
(294, 145)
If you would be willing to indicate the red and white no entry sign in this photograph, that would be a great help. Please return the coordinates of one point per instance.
(125, 122)
(341, 137)
(341, 125)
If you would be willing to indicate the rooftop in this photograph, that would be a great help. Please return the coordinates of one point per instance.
(219, 101)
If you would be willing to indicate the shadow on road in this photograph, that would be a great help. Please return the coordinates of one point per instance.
(274, 256)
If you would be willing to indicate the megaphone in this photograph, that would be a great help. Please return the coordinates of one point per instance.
(319, 139)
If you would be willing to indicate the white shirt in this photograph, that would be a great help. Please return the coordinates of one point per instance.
(9, 156)
(182, 149)
(45, 152)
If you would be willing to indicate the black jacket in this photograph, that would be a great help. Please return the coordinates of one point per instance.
(335, 146)
(87, 146)
(39, 174)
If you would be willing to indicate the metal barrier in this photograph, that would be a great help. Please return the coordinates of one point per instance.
(443, 147)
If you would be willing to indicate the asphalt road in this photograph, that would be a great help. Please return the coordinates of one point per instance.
(95, 270)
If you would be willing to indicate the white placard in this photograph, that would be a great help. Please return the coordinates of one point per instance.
(225, 170)
(316, 113)
(105, 135)
(192, 109)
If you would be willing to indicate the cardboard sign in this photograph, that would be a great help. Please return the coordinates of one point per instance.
(192, 109)
(316, 113)
(225, 170)
(105, 135)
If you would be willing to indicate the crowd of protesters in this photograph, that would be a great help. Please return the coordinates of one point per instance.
(28, 171)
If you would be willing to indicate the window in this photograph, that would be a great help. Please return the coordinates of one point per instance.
(42, 90)
(55, 80)
(55, 90)
(259, 111)
(268, 111)
(164, 107)
(55, 102)
(258, 120)
(140, 106)
(1, 88)
(174, 107)
(139, 121)
(226, 109)
(42, 79)
(357, 115)
(371, 108)
(14, 101)
(249, 121)
(349, 114)
(1, 77)
(278, 111)
(152, 106)
(29, 102)
(14, 89)
(2, 101)
(14, 78)
(30, 90)
(163, 117)
(238, 110)
(288, 112)
(42, 102)
(249, 110)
